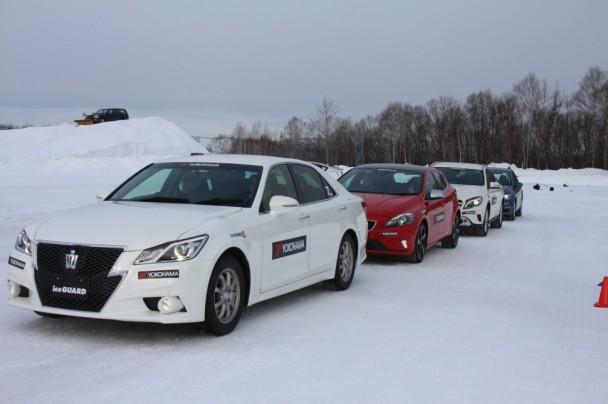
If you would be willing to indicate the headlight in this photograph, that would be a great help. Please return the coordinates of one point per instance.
(172, 252)
(23, 243)
(400, 220)
(507, 196)
(473, 202)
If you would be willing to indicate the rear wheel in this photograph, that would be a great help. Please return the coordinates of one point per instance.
(345, 265)
(452, 241)
(420, 247)
(224, 301)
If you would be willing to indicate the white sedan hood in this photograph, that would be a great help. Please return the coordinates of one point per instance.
(466, 192)
(133, 225)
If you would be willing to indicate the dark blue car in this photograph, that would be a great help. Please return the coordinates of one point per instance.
(512, 203)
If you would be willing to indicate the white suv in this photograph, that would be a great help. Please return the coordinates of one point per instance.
(479, 195)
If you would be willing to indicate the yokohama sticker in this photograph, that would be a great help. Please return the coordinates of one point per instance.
(169, 273)
(16, 263)
(439, 218)
(288, 247)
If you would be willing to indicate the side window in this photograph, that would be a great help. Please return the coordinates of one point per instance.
(514, 178)
(329, 191)
(430, 185)
(489, 177)
(279, 182)
(310, 184)
(440, 182)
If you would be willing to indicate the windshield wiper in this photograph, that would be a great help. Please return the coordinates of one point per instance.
(220, 201)
(157, 198)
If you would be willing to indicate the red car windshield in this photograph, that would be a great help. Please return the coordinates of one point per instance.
(383, 181)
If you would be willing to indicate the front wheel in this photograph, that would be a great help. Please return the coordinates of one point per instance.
(345, 265)
(452, 241)
(482, 230)
(420, 247)
(224, 301)
(497, 223)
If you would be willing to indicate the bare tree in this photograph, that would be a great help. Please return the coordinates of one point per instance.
(592, 100)
(324, 123)
(444, 114)
(293, 134)
(531, 94)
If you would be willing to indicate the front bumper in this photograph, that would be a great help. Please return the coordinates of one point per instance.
(472, 217)
(508, 207)
(399, 241)
(133, 297)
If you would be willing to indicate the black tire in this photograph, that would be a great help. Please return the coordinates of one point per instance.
(482, 229)
(225, 294)
(518, 211)
(497, 223)
(511, 217)
(420, 246)
(452, 240)
(345, 265)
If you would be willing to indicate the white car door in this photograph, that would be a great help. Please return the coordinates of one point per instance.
(321, 204)
(495, 194)
(285, 235)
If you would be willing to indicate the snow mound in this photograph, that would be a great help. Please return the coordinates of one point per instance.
(111, 147)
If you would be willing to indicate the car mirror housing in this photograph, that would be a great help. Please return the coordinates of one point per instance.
(495, 185)
(282, 204)
(436, 194)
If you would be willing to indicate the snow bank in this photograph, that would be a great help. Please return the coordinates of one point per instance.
(111, 147)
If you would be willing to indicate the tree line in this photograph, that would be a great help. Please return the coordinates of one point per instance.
(534, 125)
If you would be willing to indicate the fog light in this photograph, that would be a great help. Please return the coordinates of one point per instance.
(13, 289)
(170, 304)
(404, 244)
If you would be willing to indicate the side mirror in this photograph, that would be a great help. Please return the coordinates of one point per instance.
(495, 185)
(282, 204)
(436, 194)
(519, 185)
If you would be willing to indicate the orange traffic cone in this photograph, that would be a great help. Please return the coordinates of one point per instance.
(603, 302)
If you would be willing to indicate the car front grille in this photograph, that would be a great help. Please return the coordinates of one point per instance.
(93, 263)
(375, 245)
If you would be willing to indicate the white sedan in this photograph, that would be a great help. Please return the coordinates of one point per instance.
(192, 240)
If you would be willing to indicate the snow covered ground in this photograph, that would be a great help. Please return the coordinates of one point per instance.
(509, 318)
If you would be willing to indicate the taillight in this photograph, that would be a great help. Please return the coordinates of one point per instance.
(364, 207)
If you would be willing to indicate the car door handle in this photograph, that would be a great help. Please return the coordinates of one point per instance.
(303, 218)
(341, 208)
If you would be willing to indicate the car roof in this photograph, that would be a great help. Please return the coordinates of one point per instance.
(388, 166)
(248, 159)
(459, 165)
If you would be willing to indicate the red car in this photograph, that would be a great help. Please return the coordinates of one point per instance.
(409, 208)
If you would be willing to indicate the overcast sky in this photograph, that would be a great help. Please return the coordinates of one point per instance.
(207, 65)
